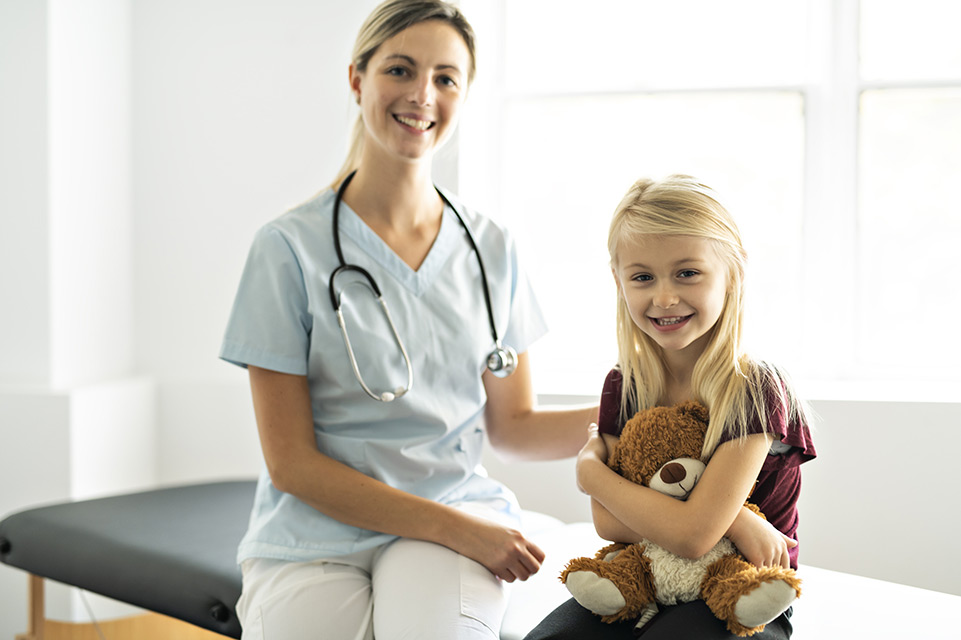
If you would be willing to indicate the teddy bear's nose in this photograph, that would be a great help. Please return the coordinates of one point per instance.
(673, 472)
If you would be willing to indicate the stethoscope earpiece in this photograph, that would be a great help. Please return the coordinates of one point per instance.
(501, 362)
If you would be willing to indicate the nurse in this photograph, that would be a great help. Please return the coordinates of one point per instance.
(372, 517)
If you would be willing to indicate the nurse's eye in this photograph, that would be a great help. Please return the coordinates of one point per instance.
(396, 71)
(447, 81)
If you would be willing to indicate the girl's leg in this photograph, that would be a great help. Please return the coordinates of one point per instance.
(301, 600)
(691, 620)
(425, 590)
(571, 621)
(695, 620)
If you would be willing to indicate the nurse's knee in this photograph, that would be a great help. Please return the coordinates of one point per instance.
(424, 590)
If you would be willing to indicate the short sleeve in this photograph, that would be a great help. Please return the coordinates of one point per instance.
(792, 434)
(269, 325)
(609, 414)
(526, 323)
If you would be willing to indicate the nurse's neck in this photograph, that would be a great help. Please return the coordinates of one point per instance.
(400, 206)
(398, 196)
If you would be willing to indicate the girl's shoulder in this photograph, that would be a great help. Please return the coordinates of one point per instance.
(609, 413)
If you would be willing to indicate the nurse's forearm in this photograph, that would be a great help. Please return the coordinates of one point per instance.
(519, 429)
(286, 428)
(544, 433)
(356, 499)
(353, 498)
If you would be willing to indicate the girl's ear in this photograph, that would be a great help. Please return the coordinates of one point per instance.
(617, 281)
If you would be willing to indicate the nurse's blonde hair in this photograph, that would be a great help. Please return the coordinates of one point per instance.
(384, 22)
(735, 388)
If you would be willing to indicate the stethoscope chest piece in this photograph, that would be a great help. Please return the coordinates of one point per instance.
(502, 361)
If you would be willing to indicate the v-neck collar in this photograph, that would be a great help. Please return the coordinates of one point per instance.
(419, 281)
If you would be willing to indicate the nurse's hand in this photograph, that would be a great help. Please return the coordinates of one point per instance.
(504, 551)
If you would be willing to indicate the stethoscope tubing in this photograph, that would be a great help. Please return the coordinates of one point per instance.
(349, 267)
(501, 362)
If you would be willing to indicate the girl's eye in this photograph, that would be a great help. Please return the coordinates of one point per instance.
(643, 277)
(687, 273)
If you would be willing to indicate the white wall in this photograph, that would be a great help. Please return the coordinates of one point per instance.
(75, 419)
(146, 142)
(24, 284)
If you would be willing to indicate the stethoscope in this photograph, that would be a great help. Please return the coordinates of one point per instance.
(502, 361)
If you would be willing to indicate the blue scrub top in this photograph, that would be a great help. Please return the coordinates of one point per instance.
(427, 442)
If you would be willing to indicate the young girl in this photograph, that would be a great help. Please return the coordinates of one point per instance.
(372, 517)
(678, 262)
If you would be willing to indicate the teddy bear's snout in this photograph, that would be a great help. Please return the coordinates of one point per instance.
(677, 477)
(673, 472)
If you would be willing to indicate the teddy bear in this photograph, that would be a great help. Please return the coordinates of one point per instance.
(660, 447)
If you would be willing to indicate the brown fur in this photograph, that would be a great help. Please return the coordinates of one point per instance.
(732, 577)
(629, 570)
(655, 436)
(648, 441)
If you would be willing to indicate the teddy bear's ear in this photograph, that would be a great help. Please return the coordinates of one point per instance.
(696, 410)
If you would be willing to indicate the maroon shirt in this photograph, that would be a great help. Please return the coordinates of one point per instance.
(779, 481)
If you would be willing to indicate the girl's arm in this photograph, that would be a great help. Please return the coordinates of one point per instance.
(286, 427)
(628, 512)
(518, 429)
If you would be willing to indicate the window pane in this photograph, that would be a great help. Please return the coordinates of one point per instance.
(910, 41)
(618, 45)
(566, 165)
(910, 227)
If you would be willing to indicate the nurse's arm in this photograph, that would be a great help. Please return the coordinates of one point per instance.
(286, 428)
(519, 429)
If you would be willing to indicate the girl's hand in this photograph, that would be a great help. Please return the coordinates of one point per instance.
(505, 552)
(759, 541)
(592, 456)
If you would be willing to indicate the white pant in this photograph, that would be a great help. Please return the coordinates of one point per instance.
(405, 590)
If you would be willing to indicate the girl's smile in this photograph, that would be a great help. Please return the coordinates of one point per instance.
(670, 323)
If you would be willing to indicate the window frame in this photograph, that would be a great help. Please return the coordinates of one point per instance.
(831, 95)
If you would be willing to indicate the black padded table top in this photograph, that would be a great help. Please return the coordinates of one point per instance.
(169, 550)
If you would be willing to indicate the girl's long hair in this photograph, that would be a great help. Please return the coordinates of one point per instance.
(735, 388)
(384, 22)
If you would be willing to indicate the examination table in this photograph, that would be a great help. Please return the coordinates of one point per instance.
(171, 551)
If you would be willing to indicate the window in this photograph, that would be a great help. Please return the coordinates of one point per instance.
(831, 130)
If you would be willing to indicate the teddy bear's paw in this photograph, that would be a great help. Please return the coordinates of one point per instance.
(765, 603)
(597, 594)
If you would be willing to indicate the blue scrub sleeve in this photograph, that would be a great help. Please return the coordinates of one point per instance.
(269, 325)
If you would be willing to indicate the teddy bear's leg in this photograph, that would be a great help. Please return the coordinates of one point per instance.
(748, 597)
(616, 590)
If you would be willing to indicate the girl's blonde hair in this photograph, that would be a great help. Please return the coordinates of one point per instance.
(384, 22)
(735, 388)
